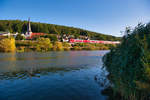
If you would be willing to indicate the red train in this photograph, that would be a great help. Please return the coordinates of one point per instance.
(92, 41)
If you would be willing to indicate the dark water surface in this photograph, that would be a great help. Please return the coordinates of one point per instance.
(68, 75)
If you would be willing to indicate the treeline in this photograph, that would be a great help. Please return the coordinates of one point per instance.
(129, 65)
(21, 27)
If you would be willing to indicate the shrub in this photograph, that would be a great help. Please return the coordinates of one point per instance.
(51, 37)
(7, 45)
(77, 48)
(21, 49)
(58, 46)
(43, 44)
(91, 46)
(19, 37)
(66, 46)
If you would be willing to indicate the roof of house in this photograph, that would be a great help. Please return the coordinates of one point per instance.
(38, 34)
(35, 34)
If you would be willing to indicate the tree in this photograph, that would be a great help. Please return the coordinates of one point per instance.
(20, 37)
(43, 44)
(58, 46)
(2, 27)
(21, 27)
(53, 38)
(7, 45)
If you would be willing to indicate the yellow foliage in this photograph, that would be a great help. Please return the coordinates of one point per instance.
(43, 44)
(66, 46)
(58, 46)
(7, 45)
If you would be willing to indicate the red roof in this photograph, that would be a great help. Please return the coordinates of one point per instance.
(35, 34)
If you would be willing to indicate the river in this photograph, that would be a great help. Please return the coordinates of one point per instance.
(66, 75)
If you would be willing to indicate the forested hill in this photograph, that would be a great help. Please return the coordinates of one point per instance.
(21, 27)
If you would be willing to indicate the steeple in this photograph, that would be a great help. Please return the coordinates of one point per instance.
(29, 27)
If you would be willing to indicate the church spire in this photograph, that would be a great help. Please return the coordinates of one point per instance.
(29, 27)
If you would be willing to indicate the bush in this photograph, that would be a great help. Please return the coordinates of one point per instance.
(43, 44)
(91, 46)
(25, 43)
(129, 65)
(58, 46)
(7, 45)
(19, 37)
(77, 48)
(53, 38)
(66, 46)
(21, 49)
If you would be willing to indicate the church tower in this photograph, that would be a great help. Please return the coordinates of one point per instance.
(29, 32)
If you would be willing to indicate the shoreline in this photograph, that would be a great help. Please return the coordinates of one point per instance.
(72, 49)
(45, 45)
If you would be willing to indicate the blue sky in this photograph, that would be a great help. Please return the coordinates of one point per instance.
(104, 16)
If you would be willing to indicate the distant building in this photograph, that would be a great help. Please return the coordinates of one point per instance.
(65, 38)
(29, 34)
(4, 33)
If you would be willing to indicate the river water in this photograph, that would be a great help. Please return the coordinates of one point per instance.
(66, 75)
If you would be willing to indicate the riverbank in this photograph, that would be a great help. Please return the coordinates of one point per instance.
(26, 46)
(45, 45)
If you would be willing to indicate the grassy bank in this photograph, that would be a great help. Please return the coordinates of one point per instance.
(43, 44)
(129, 65)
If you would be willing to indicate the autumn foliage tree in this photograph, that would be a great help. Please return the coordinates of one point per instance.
(7, 45)
(43, 44)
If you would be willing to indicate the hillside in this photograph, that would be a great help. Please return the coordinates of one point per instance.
(21, 27)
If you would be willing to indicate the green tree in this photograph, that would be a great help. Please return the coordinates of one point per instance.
(20, 37)
(21, 27)
(53, 38)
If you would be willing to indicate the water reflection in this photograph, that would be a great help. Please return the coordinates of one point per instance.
(101, 78)
(33, 72)
(68, 75)
(30, 61)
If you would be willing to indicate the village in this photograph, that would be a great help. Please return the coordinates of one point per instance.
(40, 41)
(29, 35)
